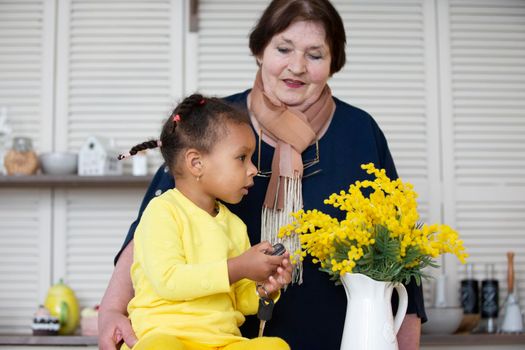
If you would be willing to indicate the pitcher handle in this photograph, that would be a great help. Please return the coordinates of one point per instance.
(401, 307)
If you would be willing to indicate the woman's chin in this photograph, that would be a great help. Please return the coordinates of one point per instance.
(291, 100)
(296, 101)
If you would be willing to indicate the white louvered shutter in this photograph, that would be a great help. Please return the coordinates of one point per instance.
(94, 224)
(25, 256)
(119, 77)
(390, 73)
(386, 74)
(26, 68)
(119, 70)
(225, 64)
(483, 48)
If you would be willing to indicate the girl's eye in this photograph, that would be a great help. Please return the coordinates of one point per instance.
(242, 158)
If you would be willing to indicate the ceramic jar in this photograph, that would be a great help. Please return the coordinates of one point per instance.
(21, 159)
(62, 303)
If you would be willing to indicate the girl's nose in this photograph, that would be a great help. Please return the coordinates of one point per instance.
(252, 170)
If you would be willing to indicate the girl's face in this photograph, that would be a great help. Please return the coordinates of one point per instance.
(295, 65)
(228, 170)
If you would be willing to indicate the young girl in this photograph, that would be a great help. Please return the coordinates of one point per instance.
(193, 270)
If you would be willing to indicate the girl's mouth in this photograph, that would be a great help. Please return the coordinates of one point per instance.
(245, 189)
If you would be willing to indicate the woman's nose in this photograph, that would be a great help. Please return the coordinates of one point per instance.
(297, 64)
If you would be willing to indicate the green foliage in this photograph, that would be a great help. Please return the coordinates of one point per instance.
(381, 261)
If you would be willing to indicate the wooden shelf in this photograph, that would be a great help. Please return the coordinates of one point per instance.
(28, 181)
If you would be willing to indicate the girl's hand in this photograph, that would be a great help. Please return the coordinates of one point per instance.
(254, 264)
(280, 279)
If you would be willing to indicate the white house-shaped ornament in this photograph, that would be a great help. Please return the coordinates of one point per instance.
(98, 156)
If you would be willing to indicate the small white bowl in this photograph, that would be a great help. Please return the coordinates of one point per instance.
(59, 163)
(442, 320)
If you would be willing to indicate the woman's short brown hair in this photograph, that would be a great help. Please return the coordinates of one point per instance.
(280, 14)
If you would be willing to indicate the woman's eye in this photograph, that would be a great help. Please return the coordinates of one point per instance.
(315, 57)
(283, 50)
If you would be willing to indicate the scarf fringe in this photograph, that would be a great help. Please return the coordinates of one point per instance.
(274, 219)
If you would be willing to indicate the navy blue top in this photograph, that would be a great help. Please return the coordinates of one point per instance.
(311, 316)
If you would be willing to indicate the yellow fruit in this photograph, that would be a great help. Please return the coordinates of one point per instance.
(63, 304)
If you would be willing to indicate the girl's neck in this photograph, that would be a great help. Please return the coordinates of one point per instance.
(193, 193)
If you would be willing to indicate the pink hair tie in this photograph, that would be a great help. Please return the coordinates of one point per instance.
(159, 143)
(176, 118)
(201, 102)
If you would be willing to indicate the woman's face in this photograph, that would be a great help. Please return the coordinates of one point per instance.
(295, 65)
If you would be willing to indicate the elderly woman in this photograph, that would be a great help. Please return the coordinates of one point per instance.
(310, 144)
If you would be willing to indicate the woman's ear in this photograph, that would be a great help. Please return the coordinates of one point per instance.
(193, 162)
(258, 59)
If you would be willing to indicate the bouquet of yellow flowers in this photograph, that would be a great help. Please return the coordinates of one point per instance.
(380, 236)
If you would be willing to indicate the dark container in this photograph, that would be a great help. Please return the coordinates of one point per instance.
(489, 298)
(470, 292)
(470, 296)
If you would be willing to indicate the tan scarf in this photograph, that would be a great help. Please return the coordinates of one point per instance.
(292, 131)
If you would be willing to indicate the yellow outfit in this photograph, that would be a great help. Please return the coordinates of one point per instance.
(180, 276)
(155, 341)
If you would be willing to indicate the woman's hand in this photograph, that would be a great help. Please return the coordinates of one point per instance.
(114, 327)
(113, 324)
(254, 264)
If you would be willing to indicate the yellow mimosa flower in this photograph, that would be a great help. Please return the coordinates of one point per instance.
(379, 236)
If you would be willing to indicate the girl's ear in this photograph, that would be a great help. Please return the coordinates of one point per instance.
(193, 162)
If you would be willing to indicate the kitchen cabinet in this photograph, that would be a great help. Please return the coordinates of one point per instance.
(56, 227)
(70, 70)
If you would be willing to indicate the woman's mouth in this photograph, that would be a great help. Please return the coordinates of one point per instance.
(293, 84)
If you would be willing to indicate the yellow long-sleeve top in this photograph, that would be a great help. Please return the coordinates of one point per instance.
(180, 273)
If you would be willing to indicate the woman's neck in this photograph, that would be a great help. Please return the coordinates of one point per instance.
(266, 138)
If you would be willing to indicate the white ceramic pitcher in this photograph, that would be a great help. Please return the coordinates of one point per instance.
(369, 324)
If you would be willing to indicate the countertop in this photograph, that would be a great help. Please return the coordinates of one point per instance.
(426, 340)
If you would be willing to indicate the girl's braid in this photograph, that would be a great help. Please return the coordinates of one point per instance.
(144, 145)
(140, 147)
(183, 111)
(185, 108)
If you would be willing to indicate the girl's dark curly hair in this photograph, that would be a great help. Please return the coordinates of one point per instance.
(197, 122)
